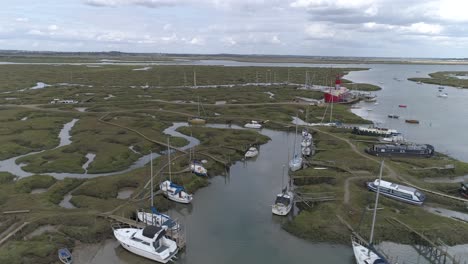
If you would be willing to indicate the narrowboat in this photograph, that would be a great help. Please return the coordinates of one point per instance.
(409, 150)
(398, 192)
(374, 131)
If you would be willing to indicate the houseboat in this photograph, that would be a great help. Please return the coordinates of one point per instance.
(398, 192)
(410, 150)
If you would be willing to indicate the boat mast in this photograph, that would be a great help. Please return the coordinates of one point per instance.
(198, 105)
(151, 171)
(282, 179)
(375, 207)
(295, 137)
(169, 159)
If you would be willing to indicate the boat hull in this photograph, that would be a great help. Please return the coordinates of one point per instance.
(197, 121)
(144, 253)
(389, 195)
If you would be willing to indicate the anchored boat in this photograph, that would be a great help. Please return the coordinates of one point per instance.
(284, 200)
(252, 152)
(148, 242)
(398, 192)
(374, 131)
(197, 168)
(197, 120)
(412, 121)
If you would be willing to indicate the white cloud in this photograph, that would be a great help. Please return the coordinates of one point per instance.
(22, 19)
(319, 31)
(167, 27)
(52, 27)
(423, 28)
(196, 41)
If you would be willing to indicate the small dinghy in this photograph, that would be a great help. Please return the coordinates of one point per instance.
(197, 168)
(253, 124)
(65, 256)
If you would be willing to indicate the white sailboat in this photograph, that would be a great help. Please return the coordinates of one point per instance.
(156, 218)
(284, 201)
(148, 242)
(197, 167)
(296, 162)
(366, 254)
(173, 191)
(252, 152)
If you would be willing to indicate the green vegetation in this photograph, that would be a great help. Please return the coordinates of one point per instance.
(361, 86)
(28, 184)
(447, 78)
(6, 177)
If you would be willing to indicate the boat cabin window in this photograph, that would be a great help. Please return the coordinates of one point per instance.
(136, 239)
(145, 243)
(282, 200)
(419, 195)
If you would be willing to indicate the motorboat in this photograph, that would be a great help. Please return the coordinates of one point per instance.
(253, 124)
(197, 168)
(149, 242)
(157, 219)
(397, 191)
(412, 121)
(65, 256)
(442, 95)
(393, 116)
(175, 192)
(283, 203)
(252, 152)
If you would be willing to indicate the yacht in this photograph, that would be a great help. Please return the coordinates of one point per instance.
(171, 190)
(306, 142)
(197, 120)
(252, 152)
(296, 162)
(397, 192)
(366, 254)
(306, 151)
(253, 124)
(283, 203)
(148, 242)
(197, 168)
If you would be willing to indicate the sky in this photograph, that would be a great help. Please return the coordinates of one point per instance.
(365, 28)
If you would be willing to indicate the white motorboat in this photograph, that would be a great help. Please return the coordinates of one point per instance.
(171, 190)
(175, 192)
(366, 254)
(283, 203)
(253, 124)
(148, 242)
(252, 152)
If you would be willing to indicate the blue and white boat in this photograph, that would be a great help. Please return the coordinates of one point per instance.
(156, 218)
(398, 192)
(65, 256)
(197, 168)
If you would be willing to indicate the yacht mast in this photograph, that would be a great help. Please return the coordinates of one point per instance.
(375, 207)
(151, 171)
(169, 159)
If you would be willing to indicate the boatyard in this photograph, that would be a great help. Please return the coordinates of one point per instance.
(152, 156)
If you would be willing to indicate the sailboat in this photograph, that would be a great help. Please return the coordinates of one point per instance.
(171, 190)
(197, 120)
(284, 201)
(154, 217)
(251, 152)
(148, 242)
(296, 162)
(366, 254)
(197, 168)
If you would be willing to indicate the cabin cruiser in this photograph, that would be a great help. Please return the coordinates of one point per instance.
(306, 142)
(283, 203)
(398, 192)
(197, 168)
(252, 152)
(175, 192)
(148, 242)
(443, 95)
(253, 124)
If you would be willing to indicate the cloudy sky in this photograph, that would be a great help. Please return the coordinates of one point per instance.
(392, 28)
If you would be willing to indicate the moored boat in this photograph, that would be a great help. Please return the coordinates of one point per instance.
(398, 192)
(464, 189)
(374, 131)
(402, 106)
(149, 242)
(415, 150)
(157, 219)
(393, 116)
(253, 124)
(65, 256)
(306, 142)
(283, 203)
(198, 169)
(197, 120)
(442, 95)
(175, 192)
(251, 152)
(296, 163)
(412, 121)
